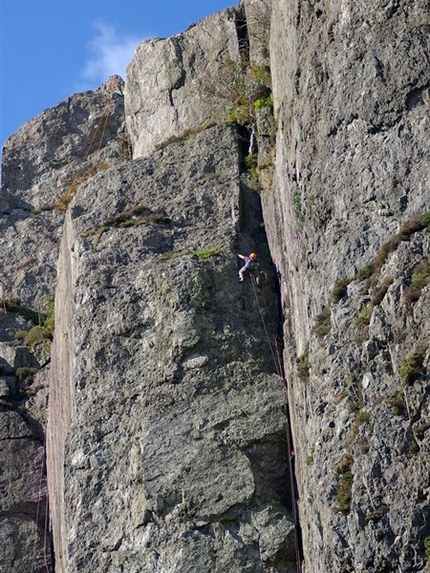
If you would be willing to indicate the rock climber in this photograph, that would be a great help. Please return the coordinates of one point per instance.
(249, 266)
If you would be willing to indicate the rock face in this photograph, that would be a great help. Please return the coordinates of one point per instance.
(351, 93)
(184, 94)
(175, 415)
(42, 164)
(166, 445)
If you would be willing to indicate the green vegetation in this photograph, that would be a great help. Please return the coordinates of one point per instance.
(413, 448)
(42, 332)
(14, 306)
(421, 276)
(241, 89)
(204, 254)
(77, 179)
(303, 365)
(405, 233)
(427, 547)
(187, 135)
(364, 274)
(322, 324)
(339, 290)
(173, 255)
(363, 318)
(362, 417)
(397, 402)
(378, 513)
(421, 429)
(412, 367)
(26, 375)
(344, 465)
(251, 162)
(419, 280)
(297, 206)
(263, 102)
(138, 215)
(343, 494)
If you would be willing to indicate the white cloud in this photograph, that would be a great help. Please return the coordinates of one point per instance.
(109, 54)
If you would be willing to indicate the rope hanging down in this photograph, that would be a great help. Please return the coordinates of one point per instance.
(280, 371)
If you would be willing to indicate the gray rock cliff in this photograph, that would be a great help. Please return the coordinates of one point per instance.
(347, 220)
(175, 422)
(42, 165)
(169, 418)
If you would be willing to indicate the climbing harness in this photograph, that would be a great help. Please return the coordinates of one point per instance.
(280, 371)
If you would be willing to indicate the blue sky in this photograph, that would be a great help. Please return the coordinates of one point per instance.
(51, 49)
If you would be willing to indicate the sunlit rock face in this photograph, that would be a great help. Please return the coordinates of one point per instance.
(347, 227)
(175, 426)
(166, 444)
(41, 164)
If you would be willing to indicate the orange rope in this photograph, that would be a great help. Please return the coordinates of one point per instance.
(106, 117)
(103, 130)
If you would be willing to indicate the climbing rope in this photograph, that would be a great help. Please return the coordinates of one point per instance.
(45, 527)
(280, 371)
(104, 124)
(254, 285)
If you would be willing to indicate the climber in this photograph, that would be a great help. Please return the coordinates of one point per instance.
(250, 265)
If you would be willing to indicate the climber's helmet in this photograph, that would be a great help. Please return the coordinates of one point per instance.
(253, 256)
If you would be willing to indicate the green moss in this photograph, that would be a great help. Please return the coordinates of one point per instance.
(397, 402)
(362, 417)
(77, 179)
(365, 273)
(378, 513)
(427, 546)
(412, 367)
(204, 254)
(363, 319)
(171, 256)
(340, 290)
(413, 448)
(381, 291)
(344, 465)
(344, 493)
(263, 102)
(297, 206)
(14, 306)
(303, 365)
(322, 324)
(421, 276)
(405, 233)
(42, 332)
(251, 162)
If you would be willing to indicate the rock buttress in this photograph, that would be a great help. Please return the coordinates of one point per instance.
(174, 458)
